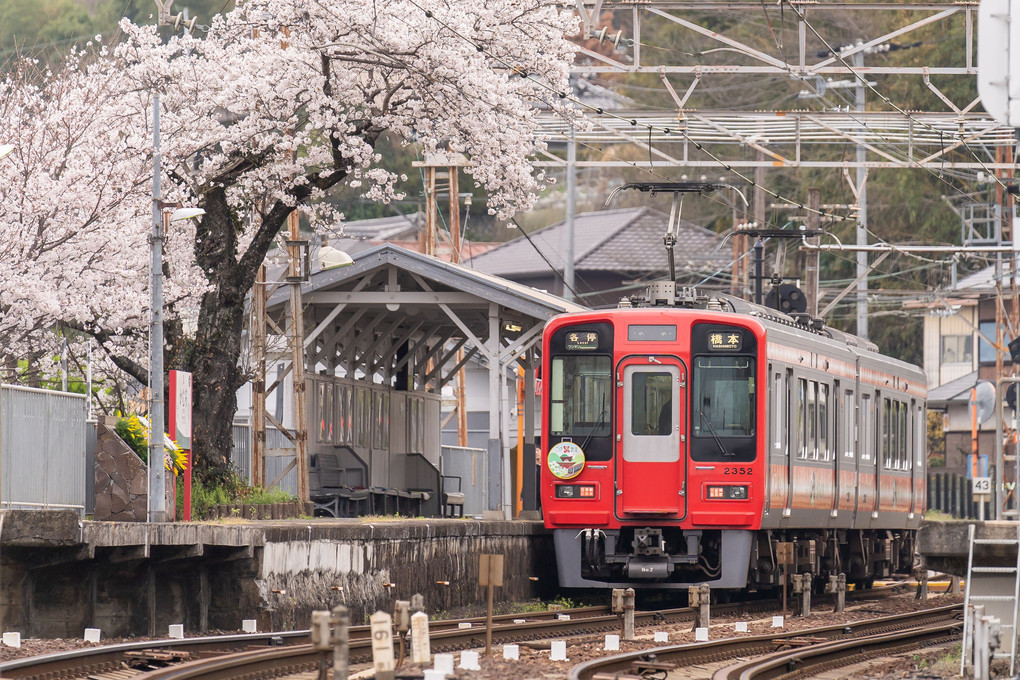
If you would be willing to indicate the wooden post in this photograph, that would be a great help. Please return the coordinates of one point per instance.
(784, 557)
(297, 356)
(490, 574)
(427, 240)
(628, 614)
(258, 383)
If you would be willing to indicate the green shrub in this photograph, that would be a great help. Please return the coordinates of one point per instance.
(233, 490)
(130, 429)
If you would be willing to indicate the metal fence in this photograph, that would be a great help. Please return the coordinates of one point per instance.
(42, 449)
(951, 493)
(471, 465)
(279, 454)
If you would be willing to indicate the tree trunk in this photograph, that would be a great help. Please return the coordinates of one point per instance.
(214, 357)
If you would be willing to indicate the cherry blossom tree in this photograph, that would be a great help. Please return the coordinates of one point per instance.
(280, 101)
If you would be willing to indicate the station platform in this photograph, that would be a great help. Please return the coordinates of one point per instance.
(60, 575)
(944, 545)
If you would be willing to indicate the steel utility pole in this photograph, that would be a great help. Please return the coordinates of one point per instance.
(862, 212)
(568, 265)
(157, 482)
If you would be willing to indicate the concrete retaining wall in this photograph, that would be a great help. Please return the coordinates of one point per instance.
(59, 576)
(354, 564)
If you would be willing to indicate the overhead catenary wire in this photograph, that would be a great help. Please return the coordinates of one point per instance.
(864, 82)
(583, 106)
(565, 96)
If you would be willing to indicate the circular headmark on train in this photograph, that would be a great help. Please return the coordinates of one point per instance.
(566, 460)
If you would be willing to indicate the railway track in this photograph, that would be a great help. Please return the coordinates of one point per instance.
(809, 650)
(292, 650)
(281, 653)
(809, 661)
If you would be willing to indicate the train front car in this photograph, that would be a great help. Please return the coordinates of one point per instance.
(655, 458)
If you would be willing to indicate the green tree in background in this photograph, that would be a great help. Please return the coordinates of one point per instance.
(49, 28)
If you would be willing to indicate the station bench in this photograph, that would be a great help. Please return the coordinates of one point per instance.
(337, 491)
(453, 501)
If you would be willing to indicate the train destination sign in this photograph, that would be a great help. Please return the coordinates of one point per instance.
(725, 341)
(582, 341)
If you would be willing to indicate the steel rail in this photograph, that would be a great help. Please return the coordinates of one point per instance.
(76, 662)
(828, 655)
(303, 658)
(718, 650)
(445, 635)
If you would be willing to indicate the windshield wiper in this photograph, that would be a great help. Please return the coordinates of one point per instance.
(715, 436)
(598, 424)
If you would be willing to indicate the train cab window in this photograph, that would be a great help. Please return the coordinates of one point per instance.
(652, 409)
(580, 397)
(724, 396)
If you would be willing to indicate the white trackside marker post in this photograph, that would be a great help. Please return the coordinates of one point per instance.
(382, 645)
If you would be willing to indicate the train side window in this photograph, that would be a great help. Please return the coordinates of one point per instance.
(823, 421)
(849, 410)
(812, 420)
(920, 435)
(884, 436)
(802, 417)
(864, 442)
(777, 422)
(904, 454)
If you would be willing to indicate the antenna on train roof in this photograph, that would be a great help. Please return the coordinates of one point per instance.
(678, 189)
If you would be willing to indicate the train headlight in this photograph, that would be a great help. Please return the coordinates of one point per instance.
(726, 492)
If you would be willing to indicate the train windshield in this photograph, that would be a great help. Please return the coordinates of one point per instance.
(579, 396)
(724, 394)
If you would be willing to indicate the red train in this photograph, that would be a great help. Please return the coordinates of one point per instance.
(686, 438)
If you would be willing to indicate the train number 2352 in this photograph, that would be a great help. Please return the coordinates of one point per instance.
(736, 470)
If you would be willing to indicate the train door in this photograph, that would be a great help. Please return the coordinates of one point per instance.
(834, 448)
(651, 439)
(778, 491)
(867, 469)
(794, 400)
(917, 479)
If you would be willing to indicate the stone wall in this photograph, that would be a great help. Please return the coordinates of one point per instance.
(121, 478)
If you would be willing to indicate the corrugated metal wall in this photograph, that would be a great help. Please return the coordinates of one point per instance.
(42, 449)
(280, 452)
(471, 465)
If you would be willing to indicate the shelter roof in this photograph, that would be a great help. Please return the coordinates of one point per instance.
(442, 277)
(953, 391)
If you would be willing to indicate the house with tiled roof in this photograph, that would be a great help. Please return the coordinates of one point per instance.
(959, 352)
(616, 253)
